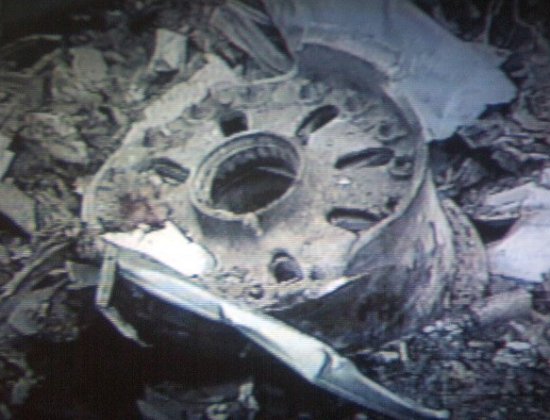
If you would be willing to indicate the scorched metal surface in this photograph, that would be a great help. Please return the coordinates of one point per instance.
(310, 190)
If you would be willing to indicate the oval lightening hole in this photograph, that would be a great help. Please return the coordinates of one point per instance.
(315, 120)
(354, 220)
(167, 168)
(233, 122)
(370, 157)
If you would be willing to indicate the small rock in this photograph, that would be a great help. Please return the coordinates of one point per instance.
(403, 352)
(428, 329)
(518, 346)
(219, 411)
(57, 135)
(246, 398)
(18, 207)
(523, 253)
(170, 52)
(386, 357)
(21, 390)
(4, 256)
(27, 317)
(82, 275)
(503, 307)
(482, 134)
(544, 180)
(6, 158)
(460, 372)
(507, 160)
(474, 344)
(88, 66)
(469, 174)
(4, 142)
(533, 109)
(507, 357)
(64, 88)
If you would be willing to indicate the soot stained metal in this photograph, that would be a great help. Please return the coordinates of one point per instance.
(312, 179)
(306, 197)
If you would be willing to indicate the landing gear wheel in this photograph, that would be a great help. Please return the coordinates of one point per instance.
(311, 192)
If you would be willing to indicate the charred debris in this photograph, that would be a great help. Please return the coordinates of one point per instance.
(276, 209)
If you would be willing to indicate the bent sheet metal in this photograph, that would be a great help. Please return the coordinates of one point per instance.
(163, 275)
(448, 82)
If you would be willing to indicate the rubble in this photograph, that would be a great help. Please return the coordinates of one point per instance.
(225, 401)
(88, 67)
(145, 75)
(514, 355)
(18, 207)
(544, 179)
(521, 254)
(6, 156)
(27, 316)
(57, 135)
(533, 110)
(20, 279)
(238, 23)
(82, 276)
(503, 307)
(170, 53)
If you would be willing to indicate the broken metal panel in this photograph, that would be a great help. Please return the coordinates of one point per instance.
(448, 82)
(513, 256)
(238, 23)
(315, 361)
(160, 245)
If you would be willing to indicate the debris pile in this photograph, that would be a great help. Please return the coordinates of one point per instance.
(91, 124)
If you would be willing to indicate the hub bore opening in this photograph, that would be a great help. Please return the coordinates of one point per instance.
(249, 173)
(253, 183)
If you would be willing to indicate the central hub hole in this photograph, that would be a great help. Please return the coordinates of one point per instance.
(253, 178)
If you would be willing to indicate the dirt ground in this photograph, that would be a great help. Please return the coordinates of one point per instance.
(67, 98)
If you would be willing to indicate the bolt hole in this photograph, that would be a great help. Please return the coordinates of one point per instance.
(316, 120)
(233, 122)
(370, 157)
(402, 167)
(354, 220)
(390, 131)
(392, 202)
(313, 92)
(285, 268)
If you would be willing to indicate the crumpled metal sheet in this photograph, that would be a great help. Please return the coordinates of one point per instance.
(448, 82)
(523, 254)
(314, 360)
